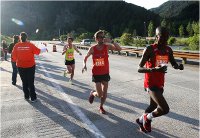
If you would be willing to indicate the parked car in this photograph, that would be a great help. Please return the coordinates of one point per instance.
(85, 42)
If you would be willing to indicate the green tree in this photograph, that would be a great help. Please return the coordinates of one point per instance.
(181, 31)
(164, 23)
(85, 36)
(194, 42)
(150, 29)
(107, 34)
(63, 37)
(195, 27)
(189, 29)
(126, 30)
(171, 40)
(134, 32)
(126, 39)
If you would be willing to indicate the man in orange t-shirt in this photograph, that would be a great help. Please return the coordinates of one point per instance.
(23, 53)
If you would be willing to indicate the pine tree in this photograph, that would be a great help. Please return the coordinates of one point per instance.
(189, 29)
(150, 29)
(181, 31)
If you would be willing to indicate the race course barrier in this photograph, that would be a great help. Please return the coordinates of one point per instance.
(184, 55)
(138, 52)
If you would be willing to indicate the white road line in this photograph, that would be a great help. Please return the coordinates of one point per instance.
(88, 124)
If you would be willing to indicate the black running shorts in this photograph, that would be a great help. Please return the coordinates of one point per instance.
(100, 78)
(67, 62)
(154, 89)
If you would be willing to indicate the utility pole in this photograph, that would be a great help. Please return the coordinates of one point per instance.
(59, 34)
(145, 29)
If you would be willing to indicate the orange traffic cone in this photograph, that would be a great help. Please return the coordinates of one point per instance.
(54, 48)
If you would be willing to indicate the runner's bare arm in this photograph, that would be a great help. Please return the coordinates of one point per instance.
(77, 50)
(112, 45)
(147, 54)
(64, 52)
(64, 48)
(90, 52)
(145, 57)
(173, 62)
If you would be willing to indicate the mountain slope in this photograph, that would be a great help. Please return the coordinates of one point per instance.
(172, 9)
(66, 16)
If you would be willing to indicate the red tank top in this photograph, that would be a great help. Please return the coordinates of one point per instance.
(100, 61)
(156, 78)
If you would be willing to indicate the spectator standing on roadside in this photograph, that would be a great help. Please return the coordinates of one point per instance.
(155, 59)
(14, 67)
(5, 49)
(100, 69)
(23, 53)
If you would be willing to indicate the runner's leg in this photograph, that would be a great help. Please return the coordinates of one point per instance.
(104, 94)
(159, 99)
(72, 72)
(98, 92)
(151, 107)
(69, 69)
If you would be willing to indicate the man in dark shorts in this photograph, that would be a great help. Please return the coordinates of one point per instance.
(155, 59)
(100, 70)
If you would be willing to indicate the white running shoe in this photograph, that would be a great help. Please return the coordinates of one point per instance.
(71, 81)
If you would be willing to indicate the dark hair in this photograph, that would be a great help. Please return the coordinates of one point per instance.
(23, 36)
(98, 32)
(70, 38)
(16, 38)
(161, 30)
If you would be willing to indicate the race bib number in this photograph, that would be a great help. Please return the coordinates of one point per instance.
(161, 60)
(99, 62)
(70, 56)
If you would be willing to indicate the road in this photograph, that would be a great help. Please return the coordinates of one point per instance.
(63, 110)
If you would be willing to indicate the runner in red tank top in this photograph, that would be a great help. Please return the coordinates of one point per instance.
(100, 70)
(155, 58)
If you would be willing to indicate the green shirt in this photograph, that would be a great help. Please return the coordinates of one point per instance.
(69, 55)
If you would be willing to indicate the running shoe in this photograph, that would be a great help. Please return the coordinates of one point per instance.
(27, 99)
(101, 110)
(91, 97)
(33, 101)
(146, 123)
(140, 125)
(71, 81)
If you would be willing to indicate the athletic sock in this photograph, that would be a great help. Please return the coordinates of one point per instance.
(150, 116)
(141, 119)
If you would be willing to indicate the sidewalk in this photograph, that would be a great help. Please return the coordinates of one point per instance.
(45, 118)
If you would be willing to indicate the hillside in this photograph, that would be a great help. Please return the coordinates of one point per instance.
(77, 16)
(176, 9)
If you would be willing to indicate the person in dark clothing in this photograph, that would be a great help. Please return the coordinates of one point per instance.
(14, 67)
(5, 49)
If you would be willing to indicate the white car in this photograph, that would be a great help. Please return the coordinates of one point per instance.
(85, 42)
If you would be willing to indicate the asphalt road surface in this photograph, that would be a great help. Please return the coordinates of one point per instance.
(63, 109)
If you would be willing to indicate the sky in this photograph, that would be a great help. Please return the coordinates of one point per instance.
(147, 4)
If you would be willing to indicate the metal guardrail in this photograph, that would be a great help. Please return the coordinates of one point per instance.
(128, 50)
(138, 51)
